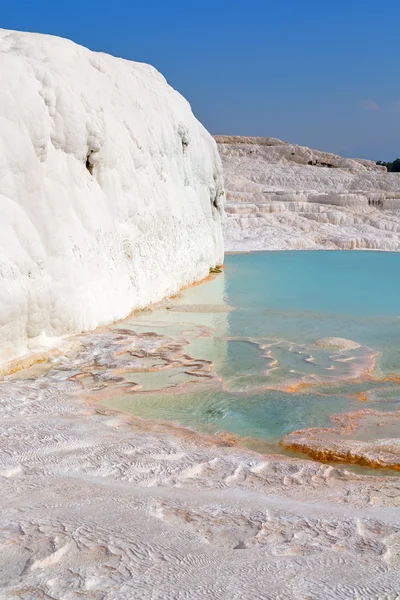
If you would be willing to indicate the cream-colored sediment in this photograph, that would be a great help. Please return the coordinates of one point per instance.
(336, 343)
(98, 504)
(202, 308)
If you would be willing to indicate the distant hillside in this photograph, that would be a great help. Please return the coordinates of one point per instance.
(282, 196)
(277, 151)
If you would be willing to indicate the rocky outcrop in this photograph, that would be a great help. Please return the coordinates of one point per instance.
(345, 442)
(111, 192)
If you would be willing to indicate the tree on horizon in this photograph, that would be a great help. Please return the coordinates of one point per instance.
(392, 167)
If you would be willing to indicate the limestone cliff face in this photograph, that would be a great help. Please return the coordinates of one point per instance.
(111, 192)
(281, 196)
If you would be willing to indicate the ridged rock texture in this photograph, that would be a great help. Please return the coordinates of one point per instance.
(111, 192)
(283, 196)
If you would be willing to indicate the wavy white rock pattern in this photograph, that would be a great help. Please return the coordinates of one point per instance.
(284, 196)
(110, 190)
(98, 505)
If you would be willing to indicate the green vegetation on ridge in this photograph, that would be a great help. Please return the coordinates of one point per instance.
(393, 167)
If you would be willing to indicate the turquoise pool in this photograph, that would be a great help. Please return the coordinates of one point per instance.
(261, 323)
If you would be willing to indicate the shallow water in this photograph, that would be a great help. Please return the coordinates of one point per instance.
(269, 377)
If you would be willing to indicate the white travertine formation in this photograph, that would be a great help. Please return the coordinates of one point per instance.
(111, 192)
(100, 505)
(111, 197)
(283, 196)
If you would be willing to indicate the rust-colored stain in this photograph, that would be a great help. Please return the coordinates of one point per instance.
(326, 455)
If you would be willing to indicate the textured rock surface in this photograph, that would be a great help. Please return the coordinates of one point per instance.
(98, 505)
(283, 196)
(110, 190)
(344, 442)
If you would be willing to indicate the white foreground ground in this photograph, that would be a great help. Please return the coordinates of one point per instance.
(98, 505)
(111, 191)
(282, 196)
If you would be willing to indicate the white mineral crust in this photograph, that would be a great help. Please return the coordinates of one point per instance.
(283, 196)
(111, 193)
(98, 505)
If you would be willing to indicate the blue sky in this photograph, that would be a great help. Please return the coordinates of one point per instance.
(320, 73)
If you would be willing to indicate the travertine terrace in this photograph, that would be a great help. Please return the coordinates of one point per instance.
(112, 198)
(97, 504)
(285, 196)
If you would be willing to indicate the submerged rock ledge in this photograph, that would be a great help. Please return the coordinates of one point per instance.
(334, 445)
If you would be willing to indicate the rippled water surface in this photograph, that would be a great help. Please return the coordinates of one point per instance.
(260, 323)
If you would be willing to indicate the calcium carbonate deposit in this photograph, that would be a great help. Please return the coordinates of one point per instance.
(97, 504)
(283, 196)
(111, 192)
(111, 198)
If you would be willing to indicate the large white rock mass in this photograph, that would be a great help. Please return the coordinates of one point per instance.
(284, 196)
(111, 192)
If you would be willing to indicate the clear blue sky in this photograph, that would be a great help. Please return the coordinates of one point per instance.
(320, 73)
